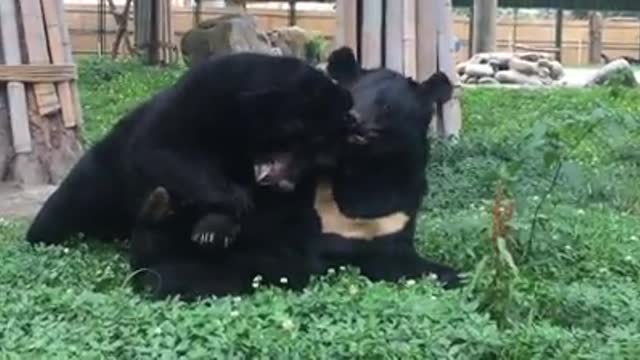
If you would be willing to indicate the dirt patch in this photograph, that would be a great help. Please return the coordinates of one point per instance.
(17, 202)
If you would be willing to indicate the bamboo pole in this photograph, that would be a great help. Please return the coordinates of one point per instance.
(394, 58)
(409, 37)
(16, 94)
(372, 33)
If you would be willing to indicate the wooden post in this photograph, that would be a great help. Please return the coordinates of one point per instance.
(451, 121)
(484, 21)
(346, 24)
(559, 26)
(426, 39)
(372, 33)
(470, 34)
(292, 13)
(595, 37)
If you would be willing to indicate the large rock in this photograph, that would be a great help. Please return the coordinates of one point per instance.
(479, 70)
(292, 40)
(514, 77)
(224, 35)
(556, 71)
(524, 66)
(618, 71)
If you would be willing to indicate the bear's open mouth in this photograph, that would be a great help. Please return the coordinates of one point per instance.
(364, 134)
(274, 170)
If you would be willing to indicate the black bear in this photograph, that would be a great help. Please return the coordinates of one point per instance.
(233, 122)
(362, 213)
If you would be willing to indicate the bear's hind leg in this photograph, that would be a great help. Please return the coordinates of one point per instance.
(86, 202)
(408, 265)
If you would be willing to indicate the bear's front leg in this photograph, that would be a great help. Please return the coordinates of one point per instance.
(215, 230)
(193, 179)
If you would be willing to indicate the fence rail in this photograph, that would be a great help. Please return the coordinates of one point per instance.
(620, 37)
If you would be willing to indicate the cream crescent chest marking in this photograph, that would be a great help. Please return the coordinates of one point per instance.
(333, 221)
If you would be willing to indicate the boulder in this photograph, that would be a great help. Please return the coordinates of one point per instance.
(618, 71)
(488, 81)
(479, 70)
(524, 66)
(514, 77)
(556, 71)
(291, 40)
(224, 35)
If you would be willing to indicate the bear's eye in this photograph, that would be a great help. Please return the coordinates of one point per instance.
(386, 109)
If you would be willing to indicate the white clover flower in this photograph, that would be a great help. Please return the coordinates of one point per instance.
(353, 289)
(331, 271)
(411, 282)
(288, 324)
(284, 280)
(234, 313)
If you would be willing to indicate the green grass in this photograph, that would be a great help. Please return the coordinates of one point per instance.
(576, 294)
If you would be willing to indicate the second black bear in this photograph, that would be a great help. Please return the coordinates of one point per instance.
(365, 214)
(228, 124)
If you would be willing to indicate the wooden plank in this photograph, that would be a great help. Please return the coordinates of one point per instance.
(16, 94)
(37, 52)
(372, 33)
(68, 57)
(409, 37)
(394, 58)
(56, 49)
(346, 24)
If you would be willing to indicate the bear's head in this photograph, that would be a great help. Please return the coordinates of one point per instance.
(282, 114)
(302, 126)
(393, 111)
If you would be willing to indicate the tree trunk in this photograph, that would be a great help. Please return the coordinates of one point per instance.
(484, 22)
(595, 37)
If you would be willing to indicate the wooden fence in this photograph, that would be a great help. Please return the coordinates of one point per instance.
(620, 37)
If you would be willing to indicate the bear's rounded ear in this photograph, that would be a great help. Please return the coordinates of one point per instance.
(437, 88)
(342, 65)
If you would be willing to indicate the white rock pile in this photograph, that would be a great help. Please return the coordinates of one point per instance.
(527, 68)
